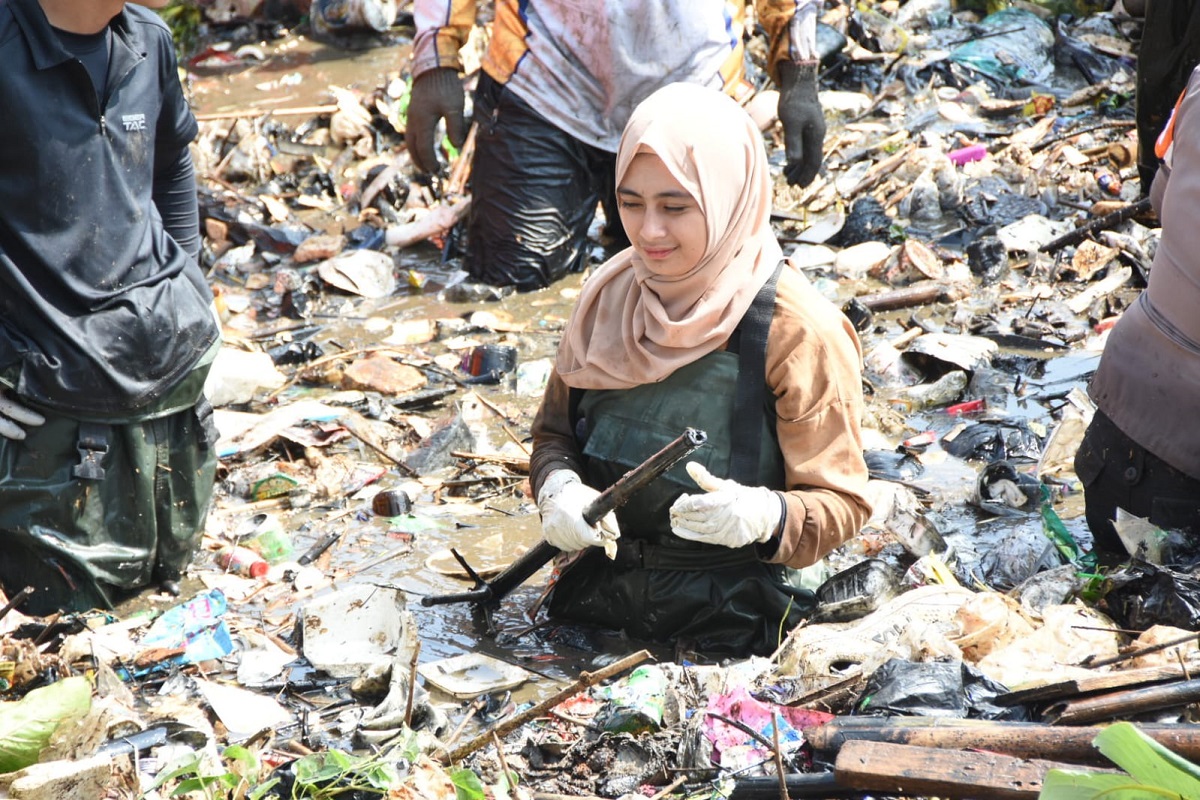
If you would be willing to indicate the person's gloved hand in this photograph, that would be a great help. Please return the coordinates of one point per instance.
(436, 94)
(803, 121)
(12, 413)
(728, 514)
(561, 501)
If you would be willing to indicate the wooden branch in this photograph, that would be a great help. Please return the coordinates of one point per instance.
(1099, 224)
(917, 294)
(412, 685)
(353, 422)
(882, 169)
(460, 171)
(585, 680)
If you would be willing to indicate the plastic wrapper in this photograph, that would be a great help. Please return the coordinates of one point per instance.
(1014, 47)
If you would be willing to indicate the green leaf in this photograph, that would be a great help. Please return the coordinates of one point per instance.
(503, 788)
(325, 766)
(381, 776)
(1082, 785)
(245, 760)
(1148, 761)
(412, 746)
(467, 785)
(26, 726)
(197, 784)
(188, 764)
(260, 791)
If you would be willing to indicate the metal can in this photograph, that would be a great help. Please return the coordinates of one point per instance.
(487, 359)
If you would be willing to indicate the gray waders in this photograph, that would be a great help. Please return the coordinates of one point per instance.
(93, 509)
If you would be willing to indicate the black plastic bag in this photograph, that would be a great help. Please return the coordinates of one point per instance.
(994, 440)
(1144, 595)
(952, 689)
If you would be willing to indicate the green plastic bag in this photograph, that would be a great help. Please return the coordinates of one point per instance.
(26, 726)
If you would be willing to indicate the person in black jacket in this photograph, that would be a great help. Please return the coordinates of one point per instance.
(106, 321)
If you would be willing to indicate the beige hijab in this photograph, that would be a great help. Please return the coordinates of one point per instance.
(632, 327)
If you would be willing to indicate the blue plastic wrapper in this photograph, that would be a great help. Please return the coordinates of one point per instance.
(198, 626)
(1014, 46)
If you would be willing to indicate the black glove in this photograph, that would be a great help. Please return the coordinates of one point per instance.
(803, 121)
(436, 94)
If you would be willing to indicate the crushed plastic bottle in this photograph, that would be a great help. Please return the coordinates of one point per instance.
(264, 534)
(636, 703)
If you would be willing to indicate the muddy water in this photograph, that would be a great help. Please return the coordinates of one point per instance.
(293, 72)
(490, 531)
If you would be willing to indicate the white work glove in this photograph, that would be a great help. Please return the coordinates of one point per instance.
(12, 412)
(728, 514)
(561, 501)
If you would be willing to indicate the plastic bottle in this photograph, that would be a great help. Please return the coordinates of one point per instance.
(243, 561)
(265, 535)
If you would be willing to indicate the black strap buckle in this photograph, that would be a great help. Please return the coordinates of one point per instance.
(93, 446)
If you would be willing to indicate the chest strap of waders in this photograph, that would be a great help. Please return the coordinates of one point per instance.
(750, 397)
(749, 341)
(640, 554)
(93, 446)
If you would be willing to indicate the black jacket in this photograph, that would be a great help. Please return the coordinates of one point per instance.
(102, 311)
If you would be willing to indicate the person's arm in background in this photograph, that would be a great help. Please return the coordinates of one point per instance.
(437, 91)
(175, 198)
(793, 62)
(174, 186)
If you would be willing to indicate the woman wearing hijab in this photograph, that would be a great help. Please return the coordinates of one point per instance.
(700, 323)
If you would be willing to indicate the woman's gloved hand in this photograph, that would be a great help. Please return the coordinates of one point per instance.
(12, 413)
(728, 514)
(436, 94)
(803, 121)
(561, 501)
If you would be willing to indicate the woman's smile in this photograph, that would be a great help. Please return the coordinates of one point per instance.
(664, 222)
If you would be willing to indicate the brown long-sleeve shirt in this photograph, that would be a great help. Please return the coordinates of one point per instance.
(814, 363)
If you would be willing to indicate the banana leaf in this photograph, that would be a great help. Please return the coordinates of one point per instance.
(26, 726)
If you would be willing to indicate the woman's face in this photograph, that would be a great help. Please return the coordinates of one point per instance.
(664, 223)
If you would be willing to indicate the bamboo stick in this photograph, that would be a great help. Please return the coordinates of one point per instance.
(585, 680)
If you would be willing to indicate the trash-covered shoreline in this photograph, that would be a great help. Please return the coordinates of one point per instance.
(978, 217)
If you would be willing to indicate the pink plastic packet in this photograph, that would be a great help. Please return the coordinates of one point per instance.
(972, 152)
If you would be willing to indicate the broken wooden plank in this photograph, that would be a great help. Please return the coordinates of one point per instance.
(518, 463)
(1018, 739)
(929, 772)
(1099, 682)
(1123, 704)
